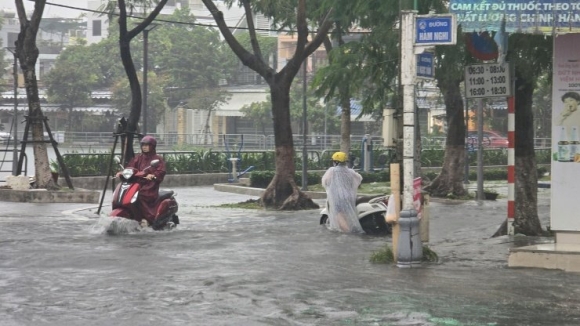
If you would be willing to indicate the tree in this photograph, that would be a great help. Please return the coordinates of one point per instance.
(449, 75)
(27, 53)
(156, 100)
(235, 69)
(542, 107)
(532, 57)
(125, 37)
(67, 84)
(317, 115)
(282, 192)
(260, 113)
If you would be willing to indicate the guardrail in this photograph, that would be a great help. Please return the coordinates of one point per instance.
(200, 140)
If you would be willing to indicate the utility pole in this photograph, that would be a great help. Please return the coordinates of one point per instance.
(304, 126)
(146, 31)
(15, 116)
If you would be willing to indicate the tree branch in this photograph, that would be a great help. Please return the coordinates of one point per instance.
(122, 18)
(36, 14)
(139, 28)
(252, 61)
(252, 30)
(303, 49)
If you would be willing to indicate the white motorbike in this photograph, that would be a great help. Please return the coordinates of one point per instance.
(371, 215)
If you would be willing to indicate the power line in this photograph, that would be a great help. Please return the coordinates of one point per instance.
(185, 23)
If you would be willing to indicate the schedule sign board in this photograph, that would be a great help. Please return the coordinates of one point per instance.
(435, 30)
(425, 67)
(488, 80)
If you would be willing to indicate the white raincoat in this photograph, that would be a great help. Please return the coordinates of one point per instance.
(341, 184)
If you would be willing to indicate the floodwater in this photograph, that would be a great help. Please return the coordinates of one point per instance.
(243, 267)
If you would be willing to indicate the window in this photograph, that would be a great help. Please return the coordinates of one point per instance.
(96, 28)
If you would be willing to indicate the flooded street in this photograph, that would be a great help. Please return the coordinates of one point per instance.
(244, 267)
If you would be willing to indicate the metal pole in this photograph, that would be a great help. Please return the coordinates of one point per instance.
(145, 65)
(480, 195)
(466, 173)
(15, 118)
(325, 128)
(408, 72)
(304, 152)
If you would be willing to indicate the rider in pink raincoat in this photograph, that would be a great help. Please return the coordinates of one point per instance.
(149, 191)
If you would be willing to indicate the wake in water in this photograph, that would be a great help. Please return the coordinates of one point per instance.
(116, 225)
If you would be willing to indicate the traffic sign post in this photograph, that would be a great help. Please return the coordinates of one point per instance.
(417, 34)
(435, 30)
(488, 80)
(425, 67)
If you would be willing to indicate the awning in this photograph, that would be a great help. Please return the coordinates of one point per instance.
(241, 96)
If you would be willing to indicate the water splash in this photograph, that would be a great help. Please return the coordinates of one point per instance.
(115, 226)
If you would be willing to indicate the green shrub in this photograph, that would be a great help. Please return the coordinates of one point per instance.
(261, 179)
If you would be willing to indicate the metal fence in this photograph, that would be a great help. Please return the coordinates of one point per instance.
(232, 142)
(439, 142)
(235, 142)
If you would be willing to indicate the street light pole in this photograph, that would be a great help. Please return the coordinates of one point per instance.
(145, 68)
(15, 117)
(304, 125)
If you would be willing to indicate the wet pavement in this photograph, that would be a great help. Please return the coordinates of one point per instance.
(225, 266)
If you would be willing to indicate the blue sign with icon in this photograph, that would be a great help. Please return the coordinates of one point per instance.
(434, 30)
(425, 68)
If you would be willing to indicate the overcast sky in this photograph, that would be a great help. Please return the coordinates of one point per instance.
(50, 11)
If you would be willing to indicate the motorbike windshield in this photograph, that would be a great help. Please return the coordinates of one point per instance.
(341, 184)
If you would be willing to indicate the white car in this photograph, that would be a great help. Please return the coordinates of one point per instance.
(5, 137)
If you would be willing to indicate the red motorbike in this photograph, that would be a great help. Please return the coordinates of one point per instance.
(126, 197)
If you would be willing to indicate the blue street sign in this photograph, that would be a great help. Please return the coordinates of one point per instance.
(435, 30)
(425, 67)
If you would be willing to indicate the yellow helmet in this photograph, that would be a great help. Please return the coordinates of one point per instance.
(339, 157)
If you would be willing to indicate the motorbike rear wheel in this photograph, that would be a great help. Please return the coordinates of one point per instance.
(375, 224)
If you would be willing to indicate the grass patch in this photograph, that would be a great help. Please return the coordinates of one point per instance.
(382, 256)
(385, 256)
(248, 204)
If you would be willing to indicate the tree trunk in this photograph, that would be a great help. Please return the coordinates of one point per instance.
(282, 192)
(27, 53)
(526, 219)
(125, 37)
(345, 124)
(136, 98)
(450, 179)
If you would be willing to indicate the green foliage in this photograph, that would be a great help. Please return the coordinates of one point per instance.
(260, 113)
(381, 176)
(382, 256)
(86, 164)
(261, 179)
(318, 116)
(248, 204)
(543, 156)
(429, 255)
(488, 174)
(385, 255)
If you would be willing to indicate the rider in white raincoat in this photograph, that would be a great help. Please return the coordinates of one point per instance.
(341, 184)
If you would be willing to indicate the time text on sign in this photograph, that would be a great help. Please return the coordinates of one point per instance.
(488, 80)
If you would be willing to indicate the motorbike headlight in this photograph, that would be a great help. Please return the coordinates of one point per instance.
(127, 173)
